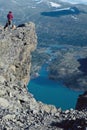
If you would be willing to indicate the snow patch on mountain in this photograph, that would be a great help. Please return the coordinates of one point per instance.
(55, 5)
(49, 3)
(68, 8)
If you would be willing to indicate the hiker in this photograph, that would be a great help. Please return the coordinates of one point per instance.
(9, 20)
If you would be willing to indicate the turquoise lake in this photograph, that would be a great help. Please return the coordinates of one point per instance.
(52, 92)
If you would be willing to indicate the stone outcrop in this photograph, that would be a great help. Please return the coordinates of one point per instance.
(18, 109)
(82, 102)
(15, 48)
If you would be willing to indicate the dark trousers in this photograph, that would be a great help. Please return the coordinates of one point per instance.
(8, 23)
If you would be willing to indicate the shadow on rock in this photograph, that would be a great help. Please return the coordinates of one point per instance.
(78, 124)
(83, 65)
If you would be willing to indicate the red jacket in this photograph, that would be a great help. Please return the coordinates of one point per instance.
(10, 16)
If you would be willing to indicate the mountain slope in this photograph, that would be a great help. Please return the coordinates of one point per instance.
(66, 27)
(18, 108)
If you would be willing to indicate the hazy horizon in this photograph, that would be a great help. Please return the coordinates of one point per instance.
(76, 1)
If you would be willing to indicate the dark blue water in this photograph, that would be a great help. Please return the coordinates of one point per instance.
(63, 12)
(52, 92)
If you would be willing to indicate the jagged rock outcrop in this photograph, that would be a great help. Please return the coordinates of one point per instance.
(18, 109)
(15, 48)
(82, 102)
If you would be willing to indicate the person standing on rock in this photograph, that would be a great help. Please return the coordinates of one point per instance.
(9, 20)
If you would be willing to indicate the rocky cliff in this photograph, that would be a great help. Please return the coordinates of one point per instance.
(82, 101)
(18, 109)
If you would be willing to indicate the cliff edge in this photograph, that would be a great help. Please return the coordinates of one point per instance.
(15, 48)
(18, 109)
(82, 101)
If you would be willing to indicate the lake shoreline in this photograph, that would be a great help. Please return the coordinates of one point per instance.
(46, 91)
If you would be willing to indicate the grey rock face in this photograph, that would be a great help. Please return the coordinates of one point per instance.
(82, 102)
(15, 48)
(18, 109)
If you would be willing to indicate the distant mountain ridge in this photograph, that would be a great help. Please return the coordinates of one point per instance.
(52, 31)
